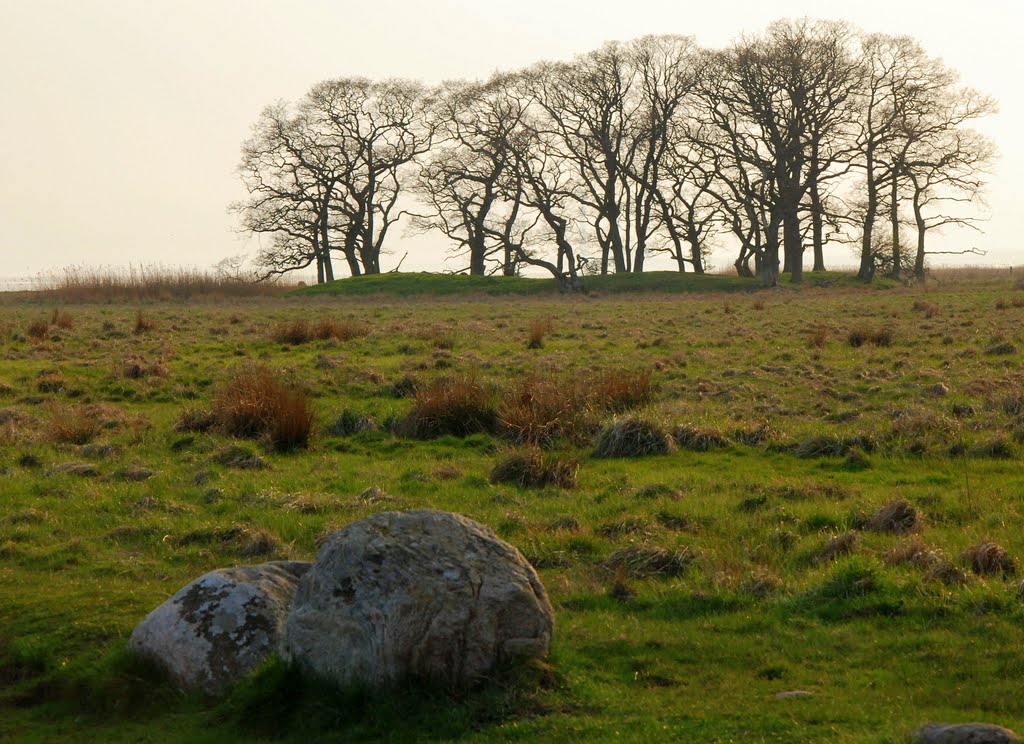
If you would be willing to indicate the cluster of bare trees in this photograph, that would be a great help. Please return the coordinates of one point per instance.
(808, 134)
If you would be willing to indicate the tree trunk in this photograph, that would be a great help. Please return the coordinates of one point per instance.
(894, 220)
(921, 229)
(794, 246)
(817, 226)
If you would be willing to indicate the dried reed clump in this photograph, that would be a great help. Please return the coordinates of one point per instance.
(648, 561)
(619, 390)
(533, 468)
(897, 517)
(861, 336)
(537, 410)
(138, 283)
(818, 336)
(929, 309)
(837, 546)
(987, 558)
(142, 323)
(38, 331)
(696, 439)
(301, 331)
(633, 436)
(536, 330)
(256, 402)
(74, 424)
(135, 368)
(459, 405)
(62, 319)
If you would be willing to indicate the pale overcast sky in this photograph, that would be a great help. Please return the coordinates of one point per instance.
(121, 120)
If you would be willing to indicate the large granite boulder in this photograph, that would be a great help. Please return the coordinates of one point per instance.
(965, 733)
(417, 594)
(217, 628)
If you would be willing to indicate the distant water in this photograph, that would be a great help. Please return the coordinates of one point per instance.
(16, 283)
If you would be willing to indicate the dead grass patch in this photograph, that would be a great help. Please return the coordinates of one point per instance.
(914, 552)
(142, 323)
(896, 517)
(62, 319)
(535, 332)
(861, 336)
(697, 439)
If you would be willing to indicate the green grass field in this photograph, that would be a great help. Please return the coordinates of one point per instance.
(841, 513)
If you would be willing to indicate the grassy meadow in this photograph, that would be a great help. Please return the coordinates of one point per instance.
(729, 493)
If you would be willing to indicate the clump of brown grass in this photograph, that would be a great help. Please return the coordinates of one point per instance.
(135, 368)
(861, 336)
(633, 436)
(988, 558)
(38, 331)
(818, 336)
(535, 332)
(914, 552)
(616, 391)
(301, 331)
(897, 516)
(837, 546)
(947, 573)
(195, 419)
(142, 323)
(929, 309)
(74, 424)
(256, 402)
(458, 405)
(647, 561)
(62, 319)
(538, 409)
(533, 468)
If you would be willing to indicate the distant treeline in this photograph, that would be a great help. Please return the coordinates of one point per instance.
(809, 134)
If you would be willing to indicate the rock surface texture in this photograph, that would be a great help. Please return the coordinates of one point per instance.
(220, 626)
(421, 594)
(965, 733)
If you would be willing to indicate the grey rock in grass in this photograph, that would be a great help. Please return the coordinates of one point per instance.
(964, 733)
(219, 627)
(417, 594)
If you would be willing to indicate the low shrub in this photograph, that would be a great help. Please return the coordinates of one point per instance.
(633, 436)
(533, 468)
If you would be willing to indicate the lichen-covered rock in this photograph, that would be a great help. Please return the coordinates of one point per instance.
(965, 733)
(422, 594)
(220, 626)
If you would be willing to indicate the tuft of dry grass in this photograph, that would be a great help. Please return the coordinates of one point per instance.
(837, 546)
(255, 402)
(818, 336)
(533, 468)
(135, 368)
(537, 410)
(616, 391)
(301, 331)
(914, 552)
(897, 517)
(697, 439)
(458, 405)
(535, 332)
(987, 558)
(861, 336)
(633, 436)
(142, 323)
(62, 319)
(38, 331)
(74, 424)
(648, 561)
